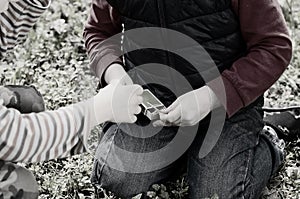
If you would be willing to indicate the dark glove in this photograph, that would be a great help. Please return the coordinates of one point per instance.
(28, 99)
(286, 124)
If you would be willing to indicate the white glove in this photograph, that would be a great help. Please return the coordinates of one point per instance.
(118, 103)
(116, 72)
(189, 108)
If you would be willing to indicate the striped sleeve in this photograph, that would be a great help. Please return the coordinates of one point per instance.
(43, 136)
(17, 20)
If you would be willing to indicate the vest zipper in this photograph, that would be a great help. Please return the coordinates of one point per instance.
(161, 13)
(162, 18)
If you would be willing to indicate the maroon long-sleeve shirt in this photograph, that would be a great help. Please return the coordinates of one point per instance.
(263, 28)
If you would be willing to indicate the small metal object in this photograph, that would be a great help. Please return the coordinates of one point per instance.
(151, 105)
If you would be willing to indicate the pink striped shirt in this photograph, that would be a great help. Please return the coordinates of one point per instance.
(37, 136)
(43, 136)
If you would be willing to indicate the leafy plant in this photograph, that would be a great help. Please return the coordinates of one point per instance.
(54, 60)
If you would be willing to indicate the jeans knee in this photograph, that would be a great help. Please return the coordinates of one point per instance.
(122, 184)
(126, 184)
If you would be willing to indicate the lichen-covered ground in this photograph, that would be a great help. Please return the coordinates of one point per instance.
(54, 60)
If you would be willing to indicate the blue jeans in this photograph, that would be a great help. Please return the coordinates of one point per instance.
(239, 166)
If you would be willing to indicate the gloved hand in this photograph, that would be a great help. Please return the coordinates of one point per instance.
(26, 99)
(189, 108)
(118, 103)
(116, 72)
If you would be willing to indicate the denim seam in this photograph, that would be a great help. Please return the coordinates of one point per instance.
(106, 157)
(246, 173)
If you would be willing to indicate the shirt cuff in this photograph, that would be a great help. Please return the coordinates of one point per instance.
(102, 82)
(85, 113)
(100, 63)
(229, 97)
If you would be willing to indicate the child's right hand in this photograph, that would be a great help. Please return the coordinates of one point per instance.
(119, 103)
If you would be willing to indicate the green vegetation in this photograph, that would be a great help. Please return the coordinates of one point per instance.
(54, 60)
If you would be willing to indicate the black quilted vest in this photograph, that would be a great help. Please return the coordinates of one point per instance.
(212, 23)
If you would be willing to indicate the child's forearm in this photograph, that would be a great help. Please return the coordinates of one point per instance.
(44, 136)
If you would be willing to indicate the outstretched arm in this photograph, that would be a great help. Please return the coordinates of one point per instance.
(44, 136)
(57, 134)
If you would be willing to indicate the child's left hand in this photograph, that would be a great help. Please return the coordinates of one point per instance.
(189, 108)
(6, 95)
